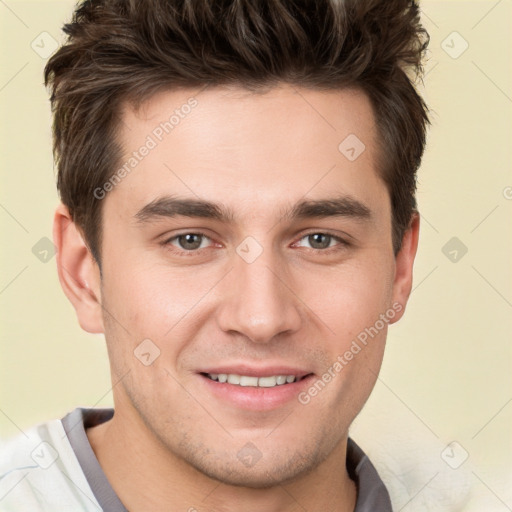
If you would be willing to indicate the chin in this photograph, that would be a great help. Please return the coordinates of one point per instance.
(260, 472)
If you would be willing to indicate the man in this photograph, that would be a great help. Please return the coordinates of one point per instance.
(238, 218)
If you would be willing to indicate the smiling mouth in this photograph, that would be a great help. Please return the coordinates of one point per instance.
(252, 381)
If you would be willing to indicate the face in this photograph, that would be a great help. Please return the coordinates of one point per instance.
(246, 244)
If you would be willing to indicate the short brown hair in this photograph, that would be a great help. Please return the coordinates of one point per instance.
(127, 50)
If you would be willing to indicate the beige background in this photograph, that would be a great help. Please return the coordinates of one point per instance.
(447, 372)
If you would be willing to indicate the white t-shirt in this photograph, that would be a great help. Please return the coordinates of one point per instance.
(52, 468)
(40, 472)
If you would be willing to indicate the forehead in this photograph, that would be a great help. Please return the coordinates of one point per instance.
(248, 150)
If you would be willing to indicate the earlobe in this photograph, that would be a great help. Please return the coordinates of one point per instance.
(404, 262)
(78, 272)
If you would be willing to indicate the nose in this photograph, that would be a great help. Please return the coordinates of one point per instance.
(258, 300)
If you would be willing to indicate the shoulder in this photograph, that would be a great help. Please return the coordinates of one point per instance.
(372, 493)
(39, 472)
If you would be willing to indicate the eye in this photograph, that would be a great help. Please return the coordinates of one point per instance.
(189, 242)
(193, 242)
(323, 241)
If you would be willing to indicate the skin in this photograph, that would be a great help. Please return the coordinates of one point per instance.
(173, 444)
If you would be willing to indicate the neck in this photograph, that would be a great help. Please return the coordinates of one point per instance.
(146, 476)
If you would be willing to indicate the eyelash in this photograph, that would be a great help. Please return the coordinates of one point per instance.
(184, 253)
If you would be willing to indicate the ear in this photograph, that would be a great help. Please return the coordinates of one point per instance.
(404, 262)
(78, 272)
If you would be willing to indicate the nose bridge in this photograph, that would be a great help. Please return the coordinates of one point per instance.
(258, 303)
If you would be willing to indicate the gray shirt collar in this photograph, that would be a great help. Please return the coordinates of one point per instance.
(372, 495)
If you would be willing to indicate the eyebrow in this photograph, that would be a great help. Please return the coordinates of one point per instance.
(170, 206)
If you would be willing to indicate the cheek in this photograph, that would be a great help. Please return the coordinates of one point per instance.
(150, 301)
(350, 298)
(162, 304)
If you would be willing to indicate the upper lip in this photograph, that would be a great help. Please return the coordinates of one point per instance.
(253, 371)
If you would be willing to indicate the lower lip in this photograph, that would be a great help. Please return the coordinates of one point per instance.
(257, 398)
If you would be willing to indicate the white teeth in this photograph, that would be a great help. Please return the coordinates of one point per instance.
(267, 382)
(248, 381)
(233, 379)
(245, 380)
